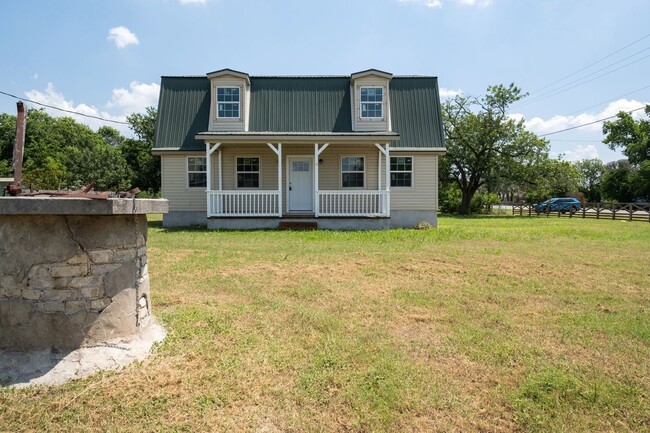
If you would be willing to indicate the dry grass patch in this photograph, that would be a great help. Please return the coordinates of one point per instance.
(487, 324)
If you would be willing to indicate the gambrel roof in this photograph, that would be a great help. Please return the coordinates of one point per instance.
(299, 104)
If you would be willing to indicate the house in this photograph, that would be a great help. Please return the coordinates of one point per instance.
(338, 152)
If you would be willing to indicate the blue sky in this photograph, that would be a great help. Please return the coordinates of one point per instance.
(106, 57)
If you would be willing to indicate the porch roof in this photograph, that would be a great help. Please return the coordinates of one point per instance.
(298, 137)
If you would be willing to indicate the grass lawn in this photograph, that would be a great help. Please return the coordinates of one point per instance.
(492, 324)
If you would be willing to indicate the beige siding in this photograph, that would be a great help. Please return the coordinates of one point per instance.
(359, 124)
(424, 193)
(329, 169)
(174, 184)
(244, 92)
(422, 196)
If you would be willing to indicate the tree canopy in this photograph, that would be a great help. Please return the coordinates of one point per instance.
(485, 146)
(627, 182)
(61, 153)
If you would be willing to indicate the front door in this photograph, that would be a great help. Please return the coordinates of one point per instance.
(300, 185)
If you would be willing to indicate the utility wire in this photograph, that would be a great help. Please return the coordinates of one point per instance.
(590, 65)
(64, 110)
(590, 123)
(609, 100)
(562, 89)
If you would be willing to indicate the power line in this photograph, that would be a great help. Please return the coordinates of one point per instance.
(64, 110)
(590, 123)
(609, 100)
(564, 88)
(592, 64)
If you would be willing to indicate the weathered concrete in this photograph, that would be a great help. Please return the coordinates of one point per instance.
(69, 280)
(80, 206)
(55, 367)
(408, 218)
(185, 219)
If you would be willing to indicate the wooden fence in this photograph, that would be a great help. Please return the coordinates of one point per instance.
(612, 211)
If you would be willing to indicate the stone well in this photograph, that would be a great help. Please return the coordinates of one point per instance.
(73, 271)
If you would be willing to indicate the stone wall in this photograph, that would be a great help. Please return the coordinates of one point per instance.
(72, 280)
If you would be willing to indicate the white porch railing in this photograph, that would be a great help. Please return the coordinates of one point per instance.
(353, 203)
(243, 203)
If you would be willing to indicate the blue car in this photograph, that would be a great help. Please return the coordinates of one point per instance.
(563, 205)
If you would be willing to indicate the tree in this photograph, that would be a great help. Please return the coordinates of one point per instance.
(485, 145)
(137, 153)
(591, 175)
(619, 181)
(633, 137)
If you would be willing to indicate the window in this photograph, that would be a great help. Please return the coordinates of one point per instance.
(248, 172)
(197, 176)
(401, 171)
(228, 102)
(372, 102)
(352, 171)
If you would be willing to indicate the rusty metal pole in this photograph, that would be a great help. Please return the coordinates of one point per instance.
(19, 148)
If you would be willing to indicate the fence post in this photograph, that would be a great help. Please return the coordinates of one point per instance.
(598, 211)
(613, 211)
(629, 214)
(584, 211)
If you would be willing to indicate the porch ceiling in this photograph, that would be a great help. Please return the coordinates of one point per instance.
(297, 137)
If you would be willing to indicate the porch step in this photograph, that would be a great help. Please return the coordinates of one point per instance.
(297, 225)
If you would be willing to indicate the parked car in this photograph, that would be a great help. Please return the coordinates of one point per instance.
(563, 205)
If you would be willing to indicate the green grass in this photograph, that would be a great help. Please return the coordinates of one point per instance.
(494, 324)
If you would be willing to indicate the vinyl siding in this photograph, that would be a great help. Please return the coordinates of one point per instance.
(424, 193)
(174, 184)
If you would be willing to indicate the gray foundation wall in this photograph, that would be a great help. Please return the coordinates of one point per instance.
(398, 219)
(408, 218)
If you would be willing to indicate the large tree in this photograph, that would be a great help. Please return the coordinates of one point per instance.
(485, 145)
(144, 165)
(591, 176)
(633, 138)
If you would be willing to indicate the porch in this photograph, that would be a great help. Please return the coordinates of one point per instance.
(296, 177)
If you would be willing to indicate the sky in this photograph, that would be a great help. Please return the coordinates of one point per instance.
(579, 60)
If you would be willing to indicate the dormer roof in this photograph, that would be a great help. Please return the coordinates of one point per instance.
(222, 72)
(367, 72)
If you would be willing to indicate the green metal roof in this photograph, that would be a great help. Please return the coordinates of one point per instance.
(298, 104)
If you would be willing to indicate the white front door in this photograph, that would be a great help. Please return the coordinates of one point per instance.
(300, 184)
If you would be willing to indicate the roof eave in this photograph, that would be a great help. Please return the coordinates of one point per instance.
(267, 137)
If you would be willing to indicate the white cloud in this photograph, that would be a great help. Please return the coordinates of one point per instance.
(123, 101)
(580, 152)
(187, 2)
(557, 123)
(136, 99)
(449, 93)
(122, 37)
(439, 3)
(427, 3)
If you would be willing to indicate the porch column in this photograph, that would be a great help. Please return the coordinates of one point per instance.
(209, 150)
(278, 152)
(317, 152)
(387, 155)
(386, 152)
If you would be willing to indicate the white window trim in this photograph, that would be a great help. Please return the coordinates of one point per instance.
(259, 172)
(365, 182)
(187, 173)
(216, 103)
(412, 172)
(383, 101)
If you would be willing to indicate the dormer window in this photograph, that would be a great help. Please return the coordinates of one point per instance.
(372, 102)
(228, 102)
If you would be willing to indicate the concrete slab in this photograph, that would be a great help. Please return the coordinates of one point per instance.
(51, 367)
(80, 206)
